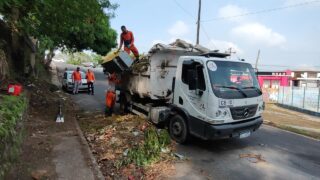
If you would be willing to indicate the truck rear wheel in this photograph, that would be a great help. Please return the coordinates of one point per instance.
(178, 129)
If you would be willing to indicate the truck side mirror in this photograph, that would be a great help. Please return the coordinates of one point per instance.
(192, 80)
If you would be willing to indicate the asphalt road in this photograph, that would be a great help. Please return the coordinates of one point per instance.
(284, 155)
(94, 102)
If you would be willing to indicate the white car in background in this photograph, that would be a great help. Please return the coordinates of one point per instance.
(67, 81)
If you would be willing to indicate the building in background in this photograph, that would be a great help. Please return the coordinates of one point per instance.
(274, 79)
(306, 77)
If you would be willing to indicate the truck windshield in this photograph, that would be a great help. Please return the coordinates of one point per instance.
(233, 80)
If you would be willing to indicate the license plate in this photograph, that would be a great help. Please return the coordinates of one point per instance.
(245, 134)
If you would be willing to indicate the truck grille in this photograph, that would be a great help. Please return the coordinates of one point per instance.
(243, 112)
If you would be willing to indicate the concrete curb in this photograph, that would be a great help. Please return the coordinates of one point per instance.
(98, 174)
(312, 113)
(311, 138)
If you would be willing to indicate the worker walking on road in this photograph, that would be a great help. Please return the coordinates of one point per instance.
(76, 80)
(127, 39)
(90, 80)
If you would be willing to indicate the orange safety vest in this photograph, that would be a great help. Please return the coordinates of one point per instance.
(113, 79)
(110, 99)
(76, 75)
(127, 38)
(90, 76)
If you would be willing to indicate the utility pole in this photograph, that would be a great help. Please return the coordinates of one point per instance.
(257, 60)
(198, 22)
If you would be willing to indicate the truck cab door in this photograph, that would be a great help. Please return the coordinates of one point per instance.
(193, 94)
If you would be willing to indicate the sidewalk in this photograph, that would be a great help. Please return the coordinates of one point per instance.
(292, 120)
(53, 150)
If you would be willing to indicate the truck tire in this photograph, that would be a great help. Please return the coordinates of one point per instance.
(178, 129)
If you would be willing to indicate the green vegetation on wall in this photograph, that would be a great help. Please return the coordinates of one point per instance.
(12, 109)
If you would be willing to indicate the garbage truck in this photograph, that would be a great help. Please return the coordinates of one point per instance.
(191, 91)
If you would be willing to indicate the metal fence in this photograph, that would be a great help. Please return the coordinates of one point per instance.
(300, 97)
(270, 95)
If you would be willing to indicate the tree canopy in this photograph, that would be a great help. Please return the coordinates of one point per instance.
(72, 24)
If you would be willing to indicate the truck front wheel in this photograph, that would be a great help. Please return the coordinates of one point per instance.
(178, 129)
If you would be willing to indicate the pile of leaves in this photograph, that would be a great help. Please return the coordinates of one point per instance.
(128, 146)
(11, 112)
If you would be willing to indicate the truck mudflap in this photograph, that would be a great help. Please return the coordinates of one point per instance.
(239, 129)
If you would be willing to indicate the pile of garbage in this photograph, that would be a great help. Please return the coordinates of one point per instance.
(128, 146)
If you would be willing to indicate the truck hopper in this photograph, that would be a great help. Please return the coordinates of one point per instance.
(116, 62)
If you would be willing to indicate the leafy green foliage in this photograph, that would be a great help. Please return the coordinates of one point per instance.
(150, 150)
(96, 58)
(11, 110)
(73, 24)
(80, 57)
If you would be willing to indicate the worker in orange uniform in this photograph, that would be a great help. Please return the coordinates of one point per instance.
(90, 80)
(127, 39)
(76, 80)
(111, 93)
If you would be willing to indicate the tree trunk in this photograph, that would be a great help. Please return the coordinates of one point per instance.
(3, 65)
(48, 58)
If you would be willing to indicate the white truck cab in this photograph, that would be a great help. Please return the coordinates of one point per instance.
(216, 97)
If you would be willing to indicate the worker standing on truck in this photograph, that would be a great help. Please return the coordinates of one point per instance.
(76, 80)
(127, 39)
(90, 80)
(111, 93)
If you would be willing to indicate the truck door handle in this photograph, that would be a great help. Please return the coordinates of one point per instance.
(180, 100)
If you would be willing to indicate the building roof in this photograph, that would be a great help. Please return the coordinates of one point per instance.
(306, 69)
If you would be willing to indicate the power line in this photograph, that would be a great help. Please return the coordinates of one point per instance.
(202, 27)
(208, 37)
(181, 7)
(262, 11)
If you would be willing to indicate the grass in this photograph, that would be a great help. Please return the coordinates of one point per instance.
(296, 130)
(150, 150)
(289, 120)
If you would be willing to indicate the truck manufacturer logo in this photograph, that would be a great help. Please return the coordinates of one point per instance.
(246, 112)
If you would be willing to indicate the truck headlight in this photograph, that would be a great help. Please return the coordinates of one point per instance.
(218, 113)
(261, 107)
(222, 113)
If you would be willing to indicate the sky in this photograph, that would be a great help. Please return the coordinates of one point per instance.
(288, 38)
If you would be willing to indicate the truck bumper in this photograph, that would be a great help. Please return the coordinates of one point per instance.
(233, 129)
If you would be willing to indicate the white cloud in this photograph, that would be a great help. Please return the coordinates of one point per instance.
(224, 46)
(258, 33)
(179, 29)
(230, 11)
